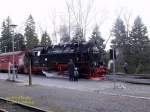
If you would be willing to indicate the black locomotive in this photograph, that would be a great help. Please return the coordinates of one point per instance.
(85, 55)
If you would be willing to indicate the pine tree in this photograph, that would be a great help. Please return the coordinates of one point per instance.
(139, 44)
(119, 33)
(6, 36)
(97, 39)
(31, 36)
(45, 40)
(120, 42)
(19, 42)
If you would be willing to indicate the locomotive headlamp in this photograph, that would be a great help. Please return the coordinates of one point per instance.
(45, 59)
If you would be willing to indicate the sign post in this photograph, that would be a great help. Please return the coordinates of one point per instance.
(30, 77)
(9, 65)
(114, 66)
(29, 58)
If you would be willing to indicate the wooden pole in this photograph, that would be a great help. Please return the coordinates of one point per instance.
(9, 64)
(30, 77)
(114, 67)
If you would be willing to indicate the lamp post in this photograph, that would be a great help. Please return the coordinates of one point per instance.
(13, 26)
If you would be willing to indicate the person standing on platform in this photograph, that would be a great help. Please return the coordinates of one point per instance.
(125, 67)
(76, 74)
(16, 69)
(71, 67)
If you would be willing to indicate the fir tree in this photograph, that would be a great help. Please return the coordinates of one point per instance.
(97, 39)
(45, 40)
(139, 44)
(19, 42)
(120, 42)
(31, 36)
(6, 36)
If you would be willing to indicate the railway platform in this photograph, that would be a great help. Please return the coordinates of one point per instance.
(135, 79)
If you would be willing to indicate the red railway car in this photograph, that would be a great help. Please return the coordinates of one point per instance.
(6, 59)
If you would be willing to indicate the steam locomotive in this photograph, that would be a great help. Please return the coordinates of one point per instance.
(85, 55)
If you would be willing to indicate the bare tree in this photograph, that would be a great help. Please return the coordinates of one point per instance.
(127, 17)
(79, 13)
(88, 10)
(54, 34)
(69, 17)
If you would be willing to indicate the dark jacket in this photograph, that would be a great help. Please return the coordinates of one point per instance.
(71, 67)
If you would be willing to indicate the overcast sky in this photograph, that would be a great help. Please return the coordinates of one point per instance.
(104, 12)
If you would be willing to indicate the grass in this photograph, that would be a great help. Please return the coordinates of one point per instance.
(20, 99)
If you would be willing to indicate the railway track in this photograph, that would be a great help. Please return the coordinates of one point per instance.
(11, 106)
